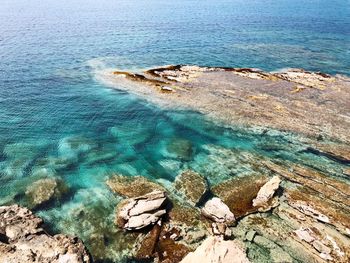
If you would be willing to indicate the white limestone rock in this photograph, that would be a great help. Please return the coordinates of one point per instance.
(218, 211)
(217, 250)
(139, 212)
(266, 192)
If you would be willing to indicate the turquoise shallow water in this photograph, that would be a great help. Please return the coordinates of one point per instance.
(57, 120)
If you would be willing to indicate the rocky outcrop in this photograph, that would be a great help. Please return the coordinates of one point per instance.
(216, 250)
(238, 193)
(266, 192)
(192, 186)
(250, 96)
(22, 239)
(218, 211)
(132, 186)
(142, 211)
(44, 190)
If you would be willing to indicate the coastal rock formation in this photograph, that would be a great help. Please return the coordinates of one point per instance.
(22, 239)
(218, 211)
(216, 250)
(192, 185)
(266, 192)
(44, 190)
(132, 186)
(250, 97)
(142, 211)
(239, 193)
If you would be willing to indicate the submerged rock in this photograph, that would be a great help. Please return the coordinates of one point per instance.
(179, 148)
(45, 190)
(132, 186)
(216, 250)
(192, 185)
(72, 147)
(142, 211)
(218, 211)
(266, 192)
(23, 240)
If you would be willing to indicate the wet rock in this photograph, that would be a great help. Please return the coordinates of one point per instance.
(192, 185)
(147, 247)
(28, 242)
(168, 249)
(218, 164)
(90, 216)
(216, 250)
(218, 211)
(132, 186)
(188, 220)
(266, 192)
(142, 211)
(45, 190)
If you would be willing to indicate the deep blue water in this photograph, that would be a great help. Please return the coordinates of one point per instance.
(57, 120)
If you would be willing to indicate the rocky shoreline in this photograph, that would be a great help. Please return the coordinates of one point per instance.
(309, 103)
(239, 206)
(22, 239)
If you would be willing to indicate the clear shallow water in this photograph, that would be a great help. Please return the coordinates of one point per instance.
(56, 119)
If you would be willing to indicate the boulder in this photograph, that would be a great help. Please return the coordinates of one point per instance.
(266, 192)
(44, 190)
(26, 241)
(132, 186)
(217, 250)
(191, 185)
(142, 211)
(218, 211)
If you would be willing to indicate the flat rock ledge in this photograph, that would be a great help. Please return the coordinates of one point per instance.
(217, 250)
(140, 212)
(22, 239)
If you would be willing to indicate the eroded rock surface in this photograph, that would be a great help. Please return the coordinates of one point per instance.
(22, 239)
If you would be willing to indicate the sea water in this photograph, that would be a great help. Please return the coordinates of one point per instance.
(57, 119)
